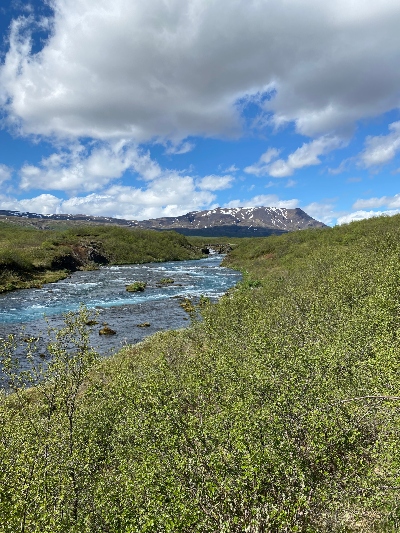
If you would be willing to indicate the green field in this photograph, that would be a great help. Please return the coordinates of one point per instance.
(278, 412)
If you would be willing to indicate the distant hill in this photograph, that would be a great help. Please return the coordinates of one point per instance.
(233, 222)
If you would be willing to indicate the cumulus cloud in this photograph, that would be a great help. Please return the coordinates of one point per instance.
(46, 204)
(369, 207)
(157, 70)
(82, 169)
(307, 155)
(392, 202)
(361, 215)
(216, 183)
(382, 148)
(170, 195)
(267, 200)
(97, 169)
(262, 166)
(322, 211)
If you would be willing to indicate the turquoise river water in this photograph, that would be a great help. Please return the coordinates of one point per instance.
(29, 312)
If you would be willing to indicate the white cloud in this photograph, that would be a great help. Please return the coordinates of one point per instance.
(392, 202)
(97, 171)
(266, 200)
(307, 155)
(146, 70)
(5, 173)
(262, 166)
(231, 170)
(45, 204)
(322, 211)
(170, 195)
(382, 148)
(361, 215)
(216, 183)
(180, 148)
(79, 169)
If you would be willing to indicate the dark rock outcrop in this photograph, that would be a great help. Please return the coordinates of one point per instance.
(66, 262)
(80, 256)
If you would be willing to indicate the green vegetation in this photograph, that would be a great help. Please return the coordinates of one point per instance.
(187, 305)
(30, 257)
(278, 412)
(166, 281)
(136, 286)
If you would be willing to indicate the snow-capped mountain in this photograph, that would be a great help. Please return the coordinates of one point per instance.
(240, 221)
(236, 221)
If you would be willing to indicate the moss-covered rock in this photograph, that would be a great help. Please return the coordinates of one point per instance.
(166, 281)
(136, 286)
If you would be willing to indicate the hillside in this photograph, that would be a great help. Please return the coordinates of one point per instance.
(228, 222)
(277, 412)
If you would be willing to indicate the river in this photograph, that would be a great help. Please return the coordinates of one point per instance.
(29, 312)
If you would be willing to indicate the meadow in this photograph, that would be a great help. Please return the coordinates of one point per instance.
(277, 411)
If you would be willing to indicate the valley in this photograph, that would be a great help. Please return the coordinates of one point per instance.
(277, 411)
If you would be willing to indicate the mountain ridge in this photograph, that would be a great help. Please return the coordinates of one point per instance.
(234, 221)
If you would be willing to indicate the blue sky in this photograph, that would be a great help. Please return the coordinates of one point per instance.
(139, 109)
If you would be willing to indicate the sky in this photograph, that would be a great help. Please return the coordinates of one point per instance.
(138, 110)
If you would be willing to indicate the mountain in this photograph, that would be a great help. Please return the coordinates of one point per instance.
(232, 222)
(236, 222)
(14, 215)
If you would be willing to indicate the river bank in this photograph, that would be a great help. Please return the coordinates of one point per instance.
(31, 257)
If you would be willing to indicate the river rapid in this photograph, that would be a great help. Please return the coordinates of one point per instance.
(29, 312)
